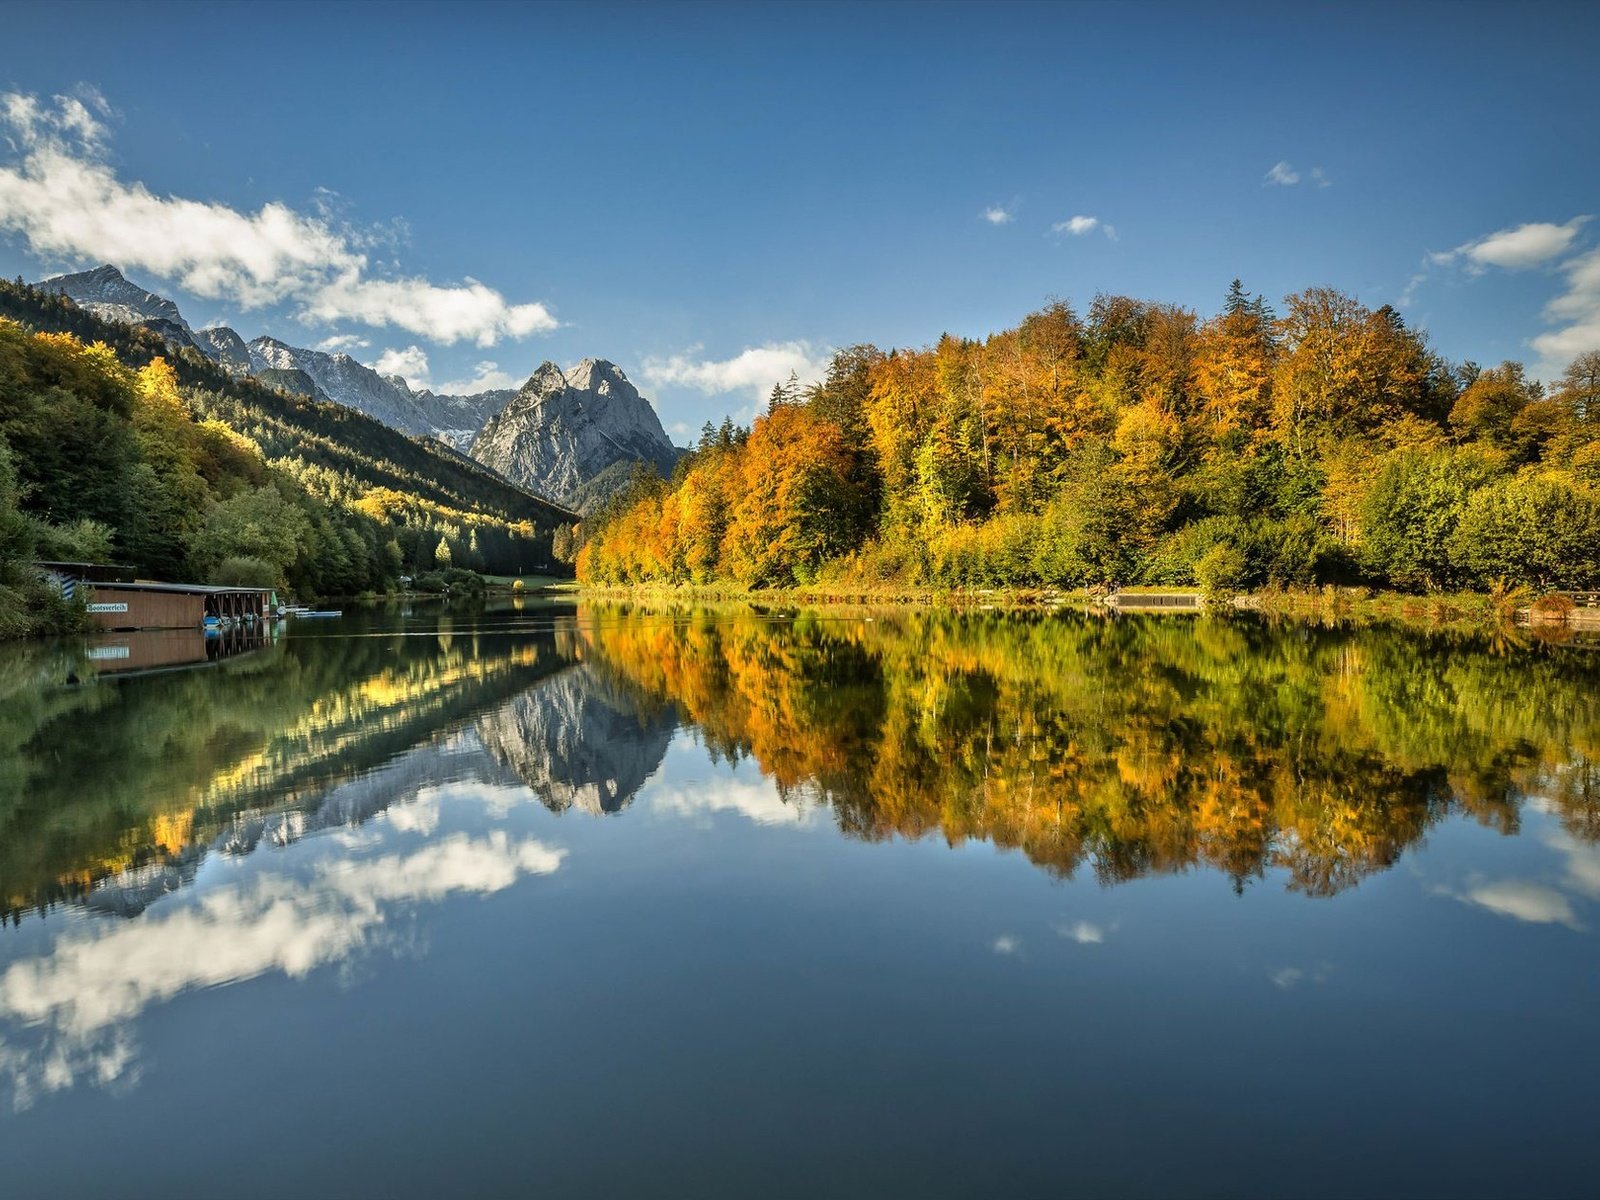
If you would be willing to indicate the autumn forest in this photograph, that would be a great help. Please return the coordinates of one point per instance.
(1316, 442)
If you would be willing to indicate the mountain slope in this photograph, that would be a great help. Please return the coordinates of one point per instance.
(105, 292)
(562, 429)
(332, 437)
(452, 419)
(345, 381)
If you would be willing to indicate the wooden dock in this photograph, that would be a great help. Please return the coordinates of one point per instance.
(1173, 601)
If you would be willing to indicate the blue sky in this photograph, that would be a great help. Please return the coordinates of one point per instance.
(711, 194)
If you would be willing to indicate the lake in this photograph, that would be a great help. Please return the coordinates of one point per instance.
(554, 898)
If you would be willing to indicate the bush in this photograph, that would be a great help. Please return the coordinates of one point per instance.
(456, 579)
(1411, 512)
(428, 581)
(1293, 551)
(31, 608)
(1554, 606)
(81, 541)
(243, 571)
(1220, 570)
(1173, 561)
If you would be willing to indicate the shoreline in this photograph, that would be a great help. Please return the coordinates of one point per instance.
(1482, 611)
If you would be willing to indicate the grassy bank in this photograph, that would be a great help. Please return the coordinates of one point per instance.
(828, 594)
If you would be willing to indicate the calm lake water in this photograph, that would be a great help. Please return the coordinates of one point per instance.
(558, 899)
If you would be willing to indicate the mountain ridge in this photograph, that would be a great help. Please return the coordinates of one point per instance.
(555, 436)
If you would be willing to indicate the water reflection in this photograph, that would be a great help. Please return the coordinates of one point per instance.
(150, 650)
(71, 1008)
(1135, 746)
(582, 740)
(1119, 748)
(1126, 748)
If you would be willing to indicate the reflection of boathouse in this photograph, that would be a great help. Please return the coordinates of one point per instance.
(141, 651)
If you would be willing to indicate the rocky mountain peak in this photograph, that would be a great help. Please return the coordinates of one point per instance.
(570, 434)
(599, 376)
(546, 378)
(226, 347)
(111, 296)
(565, 429)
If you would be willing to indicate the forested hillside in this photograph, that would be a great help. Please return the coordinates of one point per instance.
(1139, 444)
(71, 412)
(101, 462)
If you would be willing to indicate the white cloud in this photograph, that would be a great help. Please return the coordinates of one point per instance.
(995, 214)
(1005, 944)
(754, 370)
(1408, 295)
(486, 377)
(78, 117)
(1579, 309)
(469, 311)
(342, 343)
(1085, 933)
(1286, 978)
(1079, 226)
(1284, 174)
(420, 816)
(1583, 864)
(61, 195)
(410, 363)
(1516, 248)
(1523, 247)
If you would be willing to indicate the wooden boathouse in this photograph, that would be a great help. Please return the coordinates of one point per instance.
(175, 605)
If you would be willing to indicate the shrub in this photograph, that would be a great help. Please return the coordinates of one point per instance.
(1220, 570)
(1411, 512)
(1555, 605)
(243, 571)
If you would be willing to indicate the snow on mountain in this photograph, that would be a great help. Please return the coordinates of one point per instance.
(452, 419)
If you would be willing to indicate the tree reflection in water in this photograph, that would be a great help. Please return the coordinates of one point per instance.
(1133, 746)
